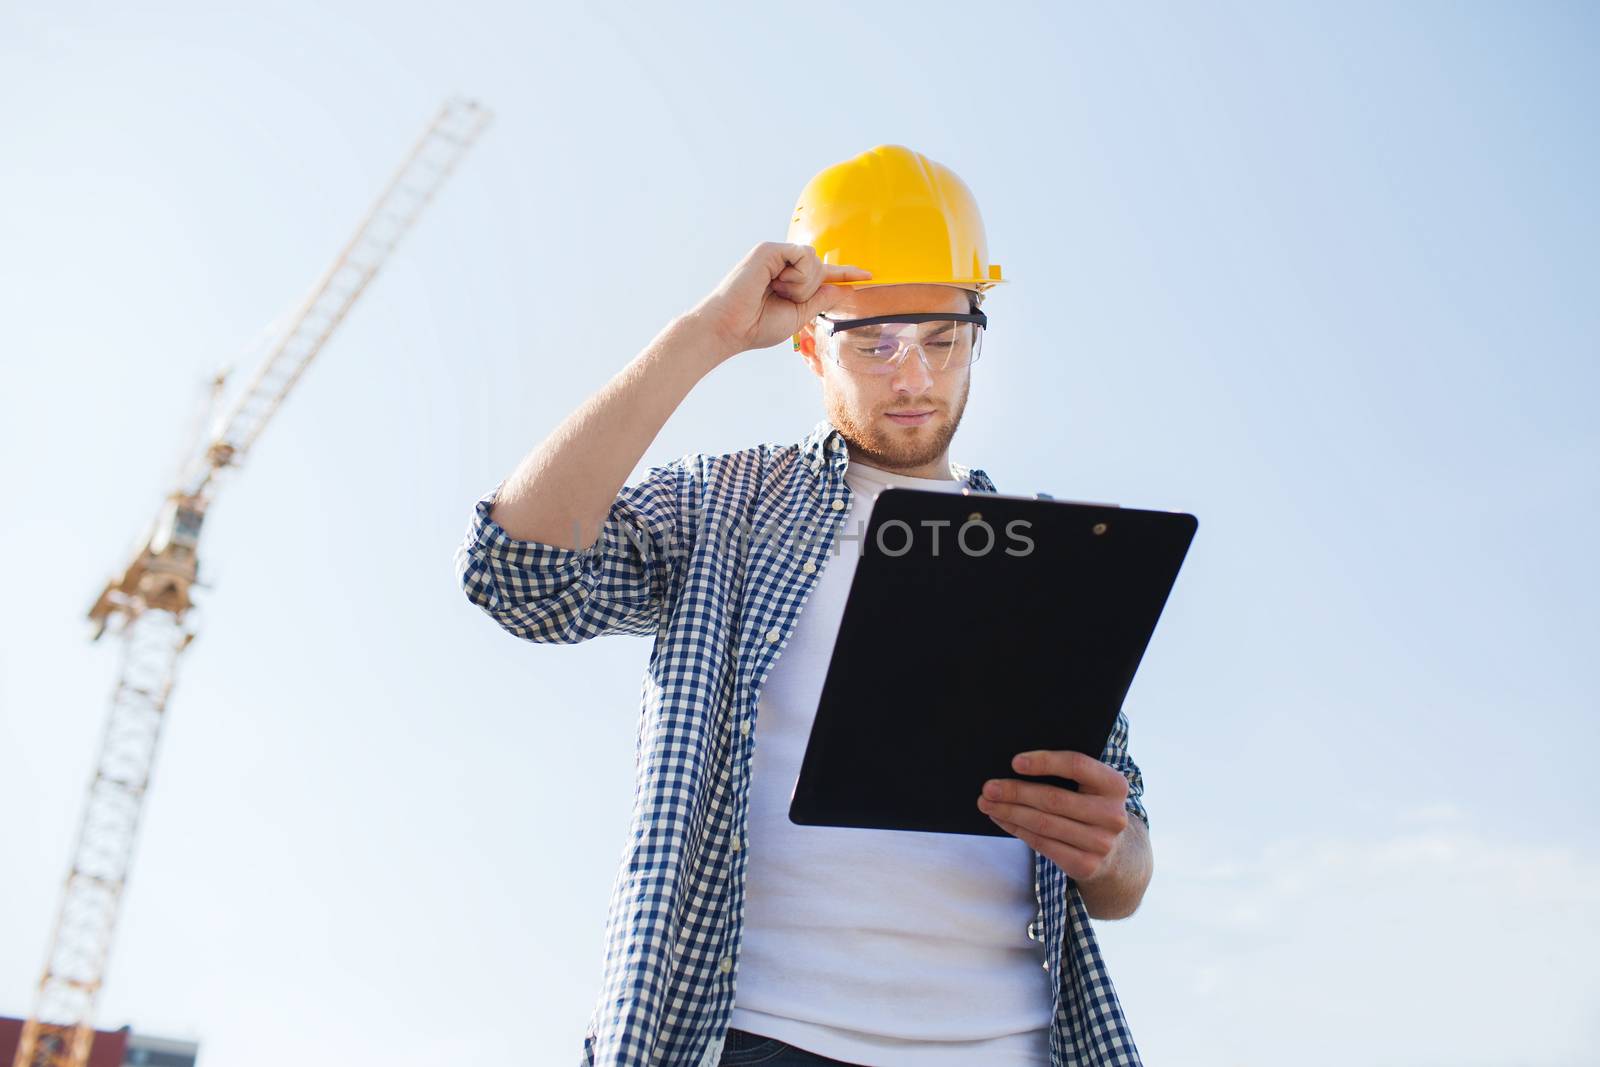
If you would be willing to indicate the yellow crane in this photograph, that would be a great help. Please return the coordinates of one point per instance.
(147, 604)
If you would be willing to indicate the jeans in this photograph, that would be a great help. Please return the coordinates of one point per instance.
(744, 1049)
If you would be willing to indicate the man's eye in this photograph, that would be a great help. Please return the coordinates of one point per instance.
(938, 344)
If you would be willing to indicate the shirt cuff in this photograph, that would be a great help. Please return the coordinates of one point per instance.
(499, 571)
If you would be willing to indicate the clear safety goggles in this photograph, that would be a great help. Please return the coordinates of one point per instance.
(879, 345)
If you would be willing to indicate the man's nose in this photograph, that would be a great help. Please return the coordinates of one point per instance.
(914, 374)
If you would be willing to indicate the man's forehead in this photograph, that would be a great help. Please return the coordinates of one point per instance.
(892, 299)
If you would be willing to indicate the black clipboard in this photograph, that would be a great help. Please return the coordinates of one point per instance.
(979, 625)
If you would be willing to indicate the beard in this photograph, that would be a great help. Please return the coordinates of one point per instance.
(889, 449)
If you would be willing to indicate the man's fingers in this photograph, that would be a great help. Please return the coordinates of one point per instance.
(800, 274)
(822, 300)
(797, 271)
(1095, 840)
(791, 275)
(796, 253)
(798, 282)
(801, 258)
(798, 292)
(1075, 862)
(1084, 807)
(1091, 774)
(801, 262)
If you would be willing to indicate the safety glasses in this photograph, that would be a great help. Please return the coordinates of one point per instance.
(879, 345)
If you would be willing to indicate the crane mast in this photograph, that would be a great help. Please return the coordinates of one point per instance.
(148, 604)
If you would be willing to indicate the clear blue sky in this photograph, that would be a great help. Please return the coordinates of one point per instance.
(1323, 275)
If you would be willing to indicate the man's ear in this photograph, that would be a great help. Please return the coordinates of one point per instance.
(805, 342)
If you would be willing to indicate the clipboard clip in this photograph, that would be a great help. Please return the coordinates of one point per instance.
(1091, 503)
(966, 490)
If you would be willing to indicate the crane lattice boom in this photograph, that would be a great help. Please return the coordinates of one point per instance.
(150, 600)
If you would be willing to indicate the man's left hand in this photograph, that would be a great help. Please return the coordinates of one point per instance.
(1079, 829)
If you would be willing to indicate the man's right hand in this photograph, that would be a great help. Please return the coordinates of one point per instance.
(566, 487)
(776, 289)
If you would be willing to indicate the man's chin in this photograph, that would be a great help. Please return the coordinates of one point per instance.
(896, 454)
(884, 443)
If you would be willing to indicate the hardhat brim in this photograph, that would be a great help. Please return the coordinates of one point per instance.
(964, 283)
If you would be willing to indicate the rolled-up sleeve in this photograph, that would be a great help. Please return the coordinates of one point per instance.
(1116, 754)
(622, 583)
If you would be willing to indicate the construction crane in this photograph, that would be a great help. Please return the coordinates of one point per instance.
(148, 603)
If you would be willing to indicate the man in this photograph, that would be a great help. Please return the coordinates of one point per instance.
(735, 936)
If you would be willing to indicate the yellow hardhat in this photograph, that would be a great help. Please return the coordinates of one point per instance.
(898, 214)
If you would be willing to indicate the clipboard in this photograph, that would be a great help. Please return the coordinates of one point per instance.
(979, 625)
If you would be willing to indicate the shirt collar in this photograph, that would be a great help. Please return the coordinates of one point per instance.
(824, 449)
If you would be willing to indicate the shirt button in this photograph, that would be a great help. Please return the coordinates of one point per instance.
(772, 636)
(736, 845)
(836, 444)
(838, 505)
(808, 567)
(744, 728)
(726, 965)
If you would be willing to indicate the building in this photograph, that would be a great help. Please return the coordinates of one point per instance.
(113, 1048)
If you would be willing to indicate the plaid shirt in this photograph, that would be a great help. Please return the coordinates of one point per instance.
(714, 556)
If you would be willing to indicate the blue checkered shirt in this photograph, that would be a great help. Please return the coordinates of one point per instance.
(714, 556)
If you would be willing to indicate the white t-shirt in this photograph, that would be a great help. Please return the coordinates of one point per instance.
(878, 947)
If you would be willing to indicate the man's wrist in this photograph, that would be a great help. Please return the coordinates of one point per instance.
(700, 341)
